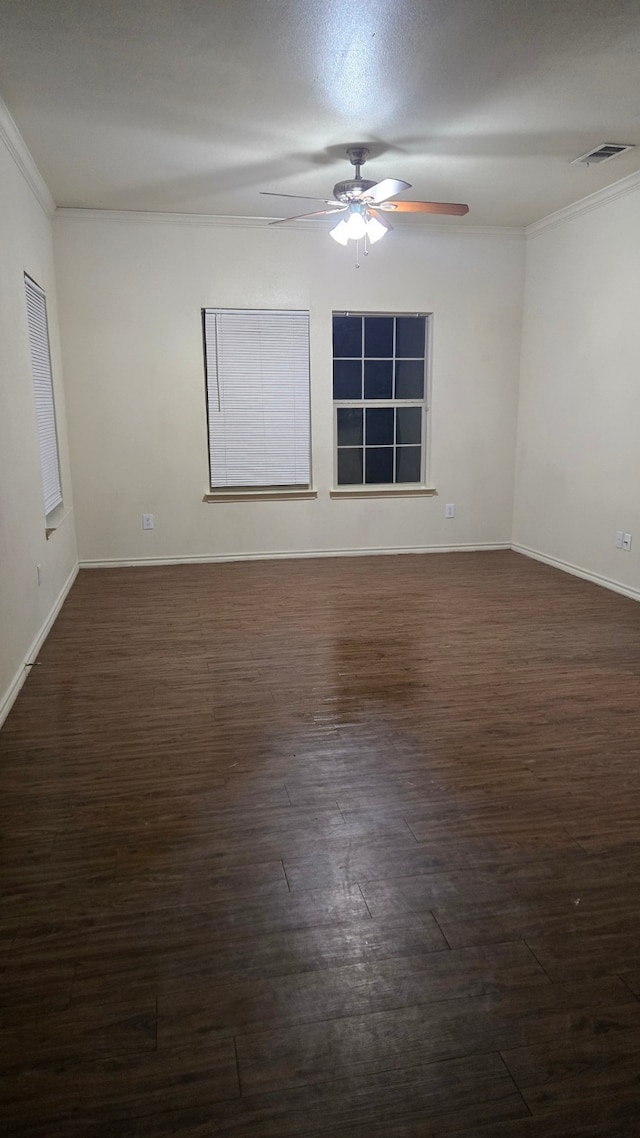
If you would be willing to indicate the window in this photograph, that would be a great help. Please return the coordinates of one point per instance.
(380, 399)
(43, 388)
(257, 375)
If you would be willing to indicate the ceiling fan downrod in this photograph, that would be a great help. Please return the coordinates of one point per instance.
(357, 157)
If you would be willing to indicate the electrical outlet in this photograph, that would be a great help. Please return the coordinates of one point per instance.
(626, 541)
(147, 521)
(450, 510)
(619, 536)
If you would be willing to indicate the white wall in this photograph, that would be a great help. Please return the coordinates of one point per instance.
(578, 457)
(131, 290)
(25, 608)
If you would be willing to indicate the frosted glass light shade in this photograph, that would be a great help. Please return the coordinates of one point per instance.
(375, 229)
(356, 225)
(340, 233)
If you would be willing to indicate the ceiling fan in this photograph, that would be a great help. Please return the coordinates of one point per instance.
(364, 204)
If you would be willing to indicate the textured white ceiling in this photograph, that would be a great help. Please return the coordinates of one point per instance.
(195, 106)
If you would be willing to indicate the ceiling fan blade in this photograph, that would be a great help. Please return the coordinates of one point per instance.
(387, 188)
(456, 208)
(317, 213)
(304, 197)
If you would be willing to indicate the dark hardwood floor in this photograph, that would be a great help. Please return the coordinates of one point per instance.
(345, 846)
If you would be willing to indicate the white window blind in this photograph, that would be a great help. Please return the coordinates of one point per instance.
(43, 387)
(257, 367)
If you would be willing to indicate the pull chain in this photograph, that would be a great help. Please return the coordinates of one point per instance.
(365, 250)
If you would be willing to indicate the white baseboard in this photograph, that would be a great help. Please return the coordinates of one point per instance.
(135, 562)
(577, 571)
(8, 700)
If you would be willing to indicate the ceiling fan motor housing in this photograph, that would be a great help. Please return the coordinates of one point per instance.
(351, 191)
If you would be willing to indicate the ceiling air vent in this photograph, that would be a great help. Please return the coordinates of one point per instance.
(602, 153)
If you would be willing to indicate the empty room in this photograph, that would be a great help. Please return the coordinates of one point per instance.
(319, 577)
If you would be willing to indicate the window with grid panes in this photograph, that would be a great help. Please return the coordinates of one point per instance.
(380, 398)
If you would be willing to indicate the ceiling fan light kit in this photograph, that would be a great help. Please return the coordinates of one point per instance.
(362, 201)
(359, 223)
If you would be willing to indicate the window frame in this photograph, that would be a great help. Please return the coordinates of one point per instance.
(46, 416)
(254, 490)
(382, 489)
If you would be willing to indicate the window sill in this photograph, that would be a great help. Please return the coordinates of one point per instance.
(55, 519)
(259, 495)
(383, 492)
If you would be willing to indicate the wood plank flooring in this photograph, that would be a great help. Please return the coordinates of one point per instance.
(335, 847)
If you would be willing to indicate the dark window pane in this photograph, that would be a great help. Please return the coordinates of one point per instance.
(379, 464)
(408, 464)
(349, 426)
(347, 336)
(378, 336)
(350, 466)
(378, 379)
(409, 379)
(379, 426)
(409, 425)
(347, 379)
(410, 335)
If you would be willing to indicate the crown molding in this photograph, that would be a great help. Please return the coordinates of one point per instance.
(609, 194)
(17, 148)
(222, 221)
(150, 217)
